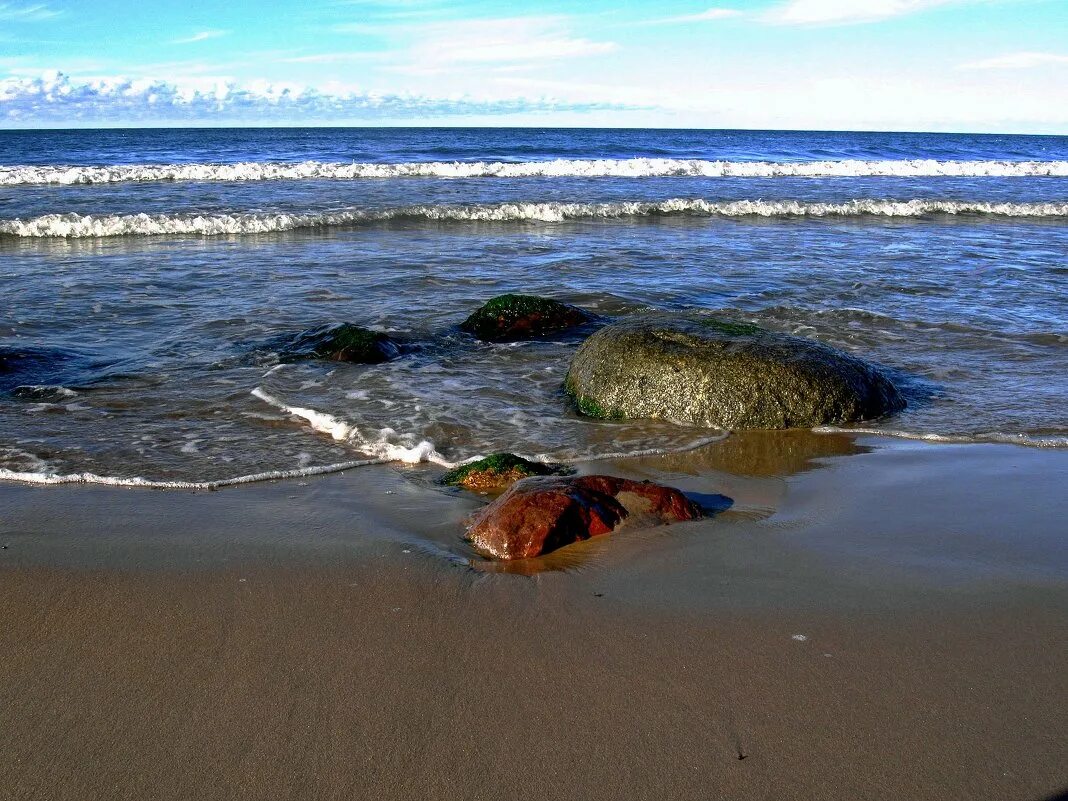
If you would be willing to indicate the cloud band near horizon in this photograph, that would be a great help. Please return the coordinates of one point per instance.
(57, 98)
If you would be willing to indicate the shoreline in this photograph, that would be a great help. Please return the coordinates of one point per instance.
(868, 618)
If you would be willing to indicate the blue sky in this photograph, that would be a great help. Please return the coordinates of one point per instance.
(963, 65)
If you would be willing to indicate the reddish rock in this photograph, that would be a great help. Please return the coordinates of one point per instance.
(538, 515)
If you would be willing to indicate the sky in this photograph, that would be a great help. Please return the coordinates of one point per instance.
(911, 65)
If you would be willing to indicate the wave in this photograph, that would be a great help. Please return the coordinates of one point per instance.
(80, 226)
(66, 175)
(40, 473)
(389, 446)
(54, 479)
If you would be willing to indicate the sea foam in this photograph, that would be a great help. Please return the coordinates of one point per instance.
(59, 174)
(387, 446)
(105, 225)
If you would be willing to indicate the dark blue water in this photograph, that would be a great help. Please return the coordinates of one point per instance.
(388, 145)
(145, 271)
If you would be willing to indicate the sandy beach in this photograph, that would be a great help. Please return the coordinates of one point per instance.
(864, 618)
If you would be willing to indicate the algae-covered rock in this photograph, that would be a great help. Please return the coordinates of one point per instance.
(722, 374)
(498, 471)
(539, 515)
(342, 343)
(511, 317)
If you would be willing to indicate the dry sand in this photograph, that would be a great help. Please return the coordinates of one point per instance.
(867, 620)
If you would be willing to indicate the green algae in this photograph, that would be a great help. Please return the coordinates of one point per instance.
(498, 469)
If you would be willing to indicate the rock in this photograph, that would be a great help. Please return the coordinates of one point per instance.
(538, 515)
(719, 374)
(342, 343)
(497, 472)
(511, 317)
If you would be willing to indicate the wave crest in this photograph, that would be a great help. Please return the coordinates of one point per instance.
(60, 174)
(81, 226)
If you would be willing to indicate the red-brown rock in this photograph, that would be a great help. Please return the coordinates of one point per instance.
(538, 515)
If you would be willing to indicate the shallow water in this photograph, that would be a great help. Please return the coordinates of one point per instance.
(141, 307)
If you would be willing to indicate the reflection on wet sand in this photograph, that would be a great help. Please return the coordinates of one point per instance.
(758, 454)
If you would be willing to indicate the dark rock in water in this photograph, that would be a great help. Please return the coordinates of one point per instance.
(538, 515)
(723, 375)
(498, 471)
(511, 317)
(342, 343)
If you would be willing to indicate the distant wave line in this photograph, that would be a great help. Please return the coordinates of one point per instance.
(76, 226)
(59, 174)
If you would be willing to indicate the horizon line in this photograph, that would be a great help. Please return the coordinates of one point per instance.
(418, 126)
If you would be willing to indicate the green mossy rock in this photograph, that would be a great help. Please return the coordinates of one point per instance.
(721, 374)
(343, 343)
(498, 471)
(512, 317)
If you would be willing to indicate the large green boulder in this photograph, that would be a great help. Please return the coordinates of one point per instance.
(709, 372)
(512, 317)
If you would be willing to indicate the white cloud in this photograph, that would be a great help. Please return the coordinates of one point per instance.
(837, 12)
(710, 15)
(1017, 61)
(429, 48)
(201, 36)
(36, 13)
(56, 98)
(331, 58)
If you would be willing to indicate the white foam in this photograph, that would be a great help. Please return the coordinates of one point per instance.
(1027, 440)
(325, 423)
(53, 479)
(44, 390)
(388, 446)
(80, 226)
(31, 175)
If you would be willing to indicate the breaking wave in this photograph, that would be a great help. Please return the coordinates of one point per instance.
(33, 175)
(80, 226)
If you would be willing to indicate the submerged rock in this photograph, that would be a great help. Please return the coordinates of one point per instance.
(511, 317)
(498, 471)
(342, 343)
(538, 515)
(723, 375)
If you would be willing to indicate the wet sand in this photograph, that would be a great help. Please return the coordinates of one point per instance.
(862, 619)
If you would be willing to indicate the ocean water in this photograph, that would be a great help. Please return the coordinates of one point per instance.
(149, 277)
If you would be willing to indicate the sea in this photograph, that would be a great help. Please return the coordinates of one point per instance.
(151, 278)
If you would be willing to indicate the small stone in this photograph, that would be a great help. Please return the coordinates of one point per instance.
(513, 317)
(342, 343)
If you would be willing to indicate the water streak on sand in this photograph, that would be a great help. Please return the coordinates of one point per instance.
(1029, 440)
